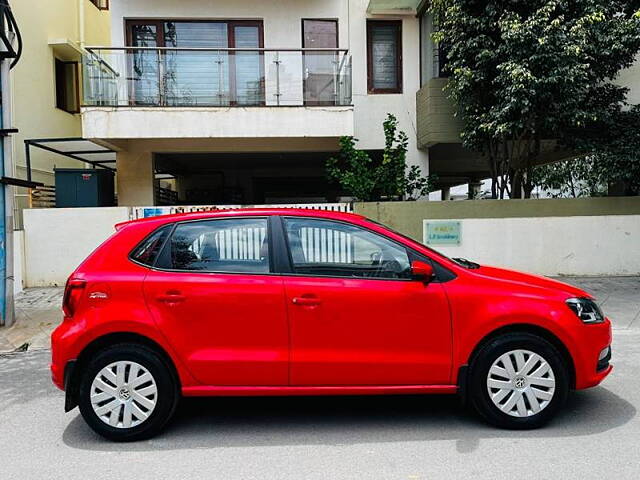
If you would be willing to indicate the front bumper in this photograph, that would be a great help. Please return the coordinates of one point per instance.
(592, 367)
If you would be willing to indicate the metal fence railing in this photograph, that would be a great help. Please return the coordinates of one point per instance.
(202, 77)
(144, 212)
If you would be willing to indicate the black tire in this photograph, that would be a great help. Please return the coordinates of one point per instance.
(489, 353)
(166, 383)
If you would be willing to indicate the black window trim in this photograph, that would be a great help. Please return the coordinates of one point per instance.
(280, 259)
(146, 237)
(411, 253)
(163, 250)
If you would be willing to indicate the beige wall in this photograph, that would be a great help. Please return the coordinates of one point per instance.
(585, 236)
(33, 79)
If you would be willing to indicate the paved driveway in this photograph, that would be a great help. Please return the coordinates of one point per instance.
(596, 436)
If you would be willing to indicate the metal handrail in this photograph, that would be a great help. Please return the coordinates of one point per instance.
(222, 49)
(101, 61)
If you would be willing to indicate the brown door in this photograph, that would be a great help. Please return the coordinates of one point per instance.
(144, 79)
(319, 68)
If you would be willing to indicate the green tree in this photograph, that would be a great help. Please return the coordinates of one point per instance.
(525, 72)
(613, 157)
(386, 179)
(569, 178)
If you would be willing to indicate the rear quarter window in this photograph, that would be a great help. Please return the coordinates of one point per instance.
(147, 251)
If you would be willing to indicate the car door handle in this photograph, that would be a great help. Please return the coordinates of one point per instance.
(306, 301)
(171, 297)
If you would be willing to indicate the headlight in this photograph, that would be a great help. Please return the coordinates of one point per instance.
(586, 309)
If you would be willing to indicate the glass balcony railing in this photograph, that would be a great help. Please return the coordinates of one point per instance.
(224, 77)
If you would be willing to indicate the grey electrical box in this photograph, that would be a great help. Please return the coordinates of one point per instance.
(83, 187)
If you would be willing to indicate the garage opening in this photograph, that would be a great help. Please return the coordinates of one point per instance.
(243, 178)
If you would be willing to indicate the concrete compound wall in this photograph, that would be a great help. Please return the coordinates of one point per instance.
(57, 240)
(590, 236)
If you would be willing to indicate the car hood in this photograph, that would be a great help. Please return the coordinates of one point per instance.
(530, 280)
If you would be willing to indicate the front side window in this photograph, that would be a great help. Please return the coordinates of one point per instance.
(384, 56)
(326, 248)
(226, 245)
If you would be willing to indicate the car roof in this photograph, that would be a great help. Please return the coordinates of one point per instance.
(237, 212)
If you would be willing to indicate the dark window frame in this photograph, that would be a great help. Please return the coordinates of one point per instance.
(308, 19)
(101, 4)
(304, 85)
(164, 254)
(159, 23)
(370, 25)
(60, 85)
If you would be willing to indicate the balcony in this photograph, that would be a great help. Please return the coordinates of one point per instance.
(145, 92)
(436, 120)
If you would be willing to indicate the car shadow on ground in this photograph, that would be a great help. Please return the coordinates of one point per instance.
(293, 421)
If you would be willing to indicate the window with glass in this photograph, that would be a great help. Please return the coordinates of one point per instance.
(67, 86)
(320, 67)
(239, 245)
(101, 4)
(148, 250)
(384, 56)
(328, 248)
(192, 78)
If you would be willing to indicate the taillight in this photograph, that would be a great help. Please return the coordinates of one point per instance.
(72, 293)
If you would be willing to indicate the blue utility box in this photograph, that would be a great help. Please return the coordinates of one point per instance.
(82, 187)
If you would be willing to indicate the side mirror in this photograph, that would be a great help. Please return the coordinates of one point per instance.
(422, 271)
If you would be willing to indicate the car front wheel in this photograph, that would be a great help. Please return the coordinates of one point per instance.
(518, 381)
(127, 392)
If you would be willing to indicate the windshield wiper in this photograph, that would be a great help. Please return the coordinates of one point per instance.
(466, 263)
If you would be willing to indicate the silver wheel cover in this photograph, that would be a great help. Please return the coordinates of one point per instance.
(521, 383)
(124, 394)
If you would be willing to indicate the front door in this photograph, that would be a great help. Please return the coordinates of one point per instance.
(213, 296)
(356, 316)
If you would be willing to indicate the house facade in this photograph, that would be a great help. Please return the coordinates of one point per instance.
(46, 83)
(218, 102)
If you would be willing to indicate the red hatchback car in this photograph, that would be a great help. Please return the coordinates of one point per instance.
(302, 302)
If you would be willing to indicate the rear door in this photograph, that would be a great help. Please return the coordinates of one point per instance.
(214, 296)
(356, 315)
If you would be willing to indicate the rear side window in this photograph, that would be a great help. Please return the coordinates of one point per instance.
(239, 245)
(147, 251)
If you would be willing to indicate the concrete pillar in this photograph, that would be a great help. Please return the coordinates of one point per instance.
(475, 189)
(445, 193)
(135, 178)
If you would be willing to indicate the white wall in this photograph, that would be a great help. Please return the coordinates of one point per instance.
(221, 122)
(579, 245)
(18, 261)
(57, 240)
(283, 28)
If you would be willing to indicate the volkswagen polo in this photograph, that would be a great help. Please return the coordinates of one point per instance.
(303, 302)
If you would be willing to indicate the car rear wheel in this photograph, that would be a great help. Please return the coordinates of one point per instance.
(127, 392)
(518, 381)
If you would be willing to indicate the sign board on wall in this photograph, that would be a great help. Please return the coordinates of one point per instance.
(441, 232)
